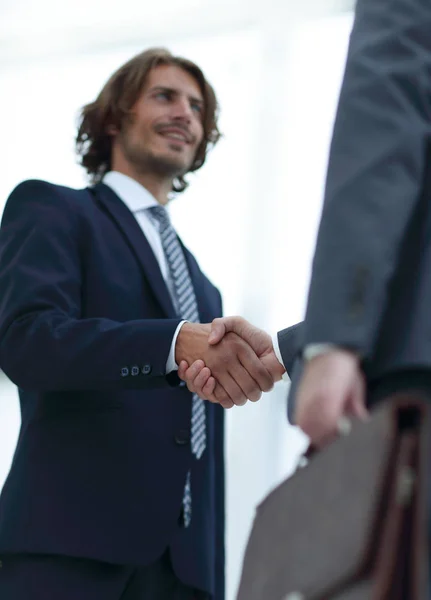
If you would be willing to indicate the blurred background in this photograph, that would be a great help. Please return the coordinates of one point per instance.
(250, 215)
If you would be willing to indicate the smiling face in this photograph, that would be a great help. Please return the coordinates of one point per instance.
(165, 128)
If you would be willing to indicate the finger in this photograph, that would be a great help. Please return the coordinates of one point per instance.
(182, 368)
(209, 387)
(192, 372)
(317, 413)
(233, 390)
(333, 423)
(222, 397)
(273, 366)
(207, 392)
(200, 381)
(218, 331)
(255, 368)
(323, 441)
(320, 434)
(223, 325)
(359, 408)
(220, 368)
(246, 382)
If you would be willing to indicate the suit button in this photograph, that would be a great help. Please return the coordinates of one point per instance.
(124, 372)
(135, 371)
(182, 437)
(146, 369)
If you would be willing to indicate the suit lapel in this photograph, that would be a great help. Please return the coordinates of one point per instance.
(135, 238)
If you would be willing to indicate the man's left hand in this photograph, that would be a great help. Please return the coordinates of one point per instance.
(332, 387)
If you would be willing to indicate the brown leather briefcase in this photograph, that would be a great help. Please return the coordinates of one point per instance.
(353, 523)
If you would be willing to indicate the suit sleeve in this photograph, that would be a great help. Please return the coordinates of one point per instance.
(376, 173)
(45, 343)
(290, 344)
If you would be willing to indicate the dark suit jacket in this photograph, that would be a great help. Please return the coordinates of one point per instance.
(86, 324)
(371, 280)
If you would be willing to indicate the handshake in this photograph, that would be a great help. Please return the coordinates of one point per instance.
(227, 362)
(230, 361)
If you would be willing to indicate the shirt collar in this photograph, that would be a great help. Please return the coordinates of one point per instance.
(132, 193)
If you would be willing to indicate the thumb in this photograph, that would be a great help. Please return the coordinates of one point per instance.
(220, 327)
(358, 406)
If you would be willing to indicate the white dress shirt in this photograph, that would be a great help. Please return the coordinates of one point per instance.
(138, 199)
(277, 353)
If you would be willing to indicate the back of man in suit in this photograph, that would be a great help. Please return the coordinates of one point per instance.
(368, 319)
(116, 489)
(369, 305)
(370, 293)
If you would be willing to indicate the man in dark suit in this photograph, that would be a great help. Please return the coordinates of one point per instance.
(369, 302)
(116, 489)
(367, 327)
(367, 330)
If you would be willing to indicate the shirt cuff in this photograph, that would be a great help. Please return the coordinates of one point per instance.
(285, 376)
(171, 365)
(313, 350)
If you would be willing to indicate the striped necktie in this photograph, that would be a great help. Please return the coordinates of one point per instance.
(185, 300)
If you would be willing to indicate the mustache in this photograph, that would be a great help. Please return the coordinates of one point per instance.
(177, 125)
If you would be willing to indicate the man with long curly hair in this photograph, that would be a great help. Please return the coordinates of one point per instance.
(117, 484)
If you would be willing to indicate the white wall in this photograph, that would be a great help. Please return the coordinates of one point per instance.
(250, 214)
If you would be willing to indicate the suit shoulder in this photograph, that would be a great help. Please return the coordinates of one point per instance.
(31, 186)
(37, 191)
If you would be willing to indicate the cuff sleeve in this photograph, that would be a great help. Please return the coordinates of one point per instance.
(171, 365)
(277, 352)
(313, 350)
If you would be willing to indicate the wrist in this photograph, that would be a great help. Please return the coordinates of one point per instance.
(336, 353)
(171, 365)
(191, 342)
(312, 351)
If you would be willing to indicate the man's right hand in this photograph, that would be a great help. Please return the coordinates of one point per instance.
(202, 379)
(236, 371)
(332, 386)
(258, 339)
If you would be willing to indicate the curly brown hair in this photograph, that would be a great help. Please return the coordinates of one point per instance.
(113, 105)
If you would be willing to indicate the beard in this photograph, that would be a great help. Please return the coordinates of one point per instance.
(144, 160)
